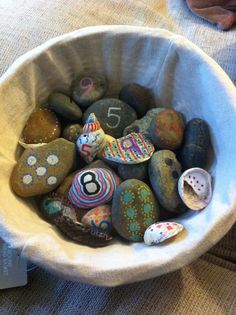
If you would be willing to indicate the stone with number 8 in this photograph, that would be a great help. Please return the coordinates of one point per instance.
(113, 115)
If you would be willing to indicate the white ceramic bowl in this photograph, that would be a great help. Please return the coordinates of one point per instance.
(180, 75)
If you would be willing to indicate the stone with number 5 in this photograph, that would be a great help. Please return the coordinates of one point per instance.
(113, 115)
(91, 140)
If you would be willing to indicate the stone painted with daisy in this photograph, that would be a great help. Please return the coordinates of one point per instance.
(40, 170)
(134, 208)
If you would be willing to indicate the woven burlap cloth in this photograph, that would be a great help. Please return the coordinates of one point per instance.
(207, 286)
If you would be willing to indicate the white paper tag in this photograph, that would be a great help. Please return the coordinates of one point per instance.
(13, 268)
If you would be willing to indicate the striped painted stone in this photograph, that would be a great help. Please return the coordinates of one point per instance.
(93, 187)
(132, 149)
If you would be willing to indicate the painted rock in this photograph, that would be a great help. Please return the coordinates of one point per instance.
(137, 171)
(99, 217)
(108, 139)
(64, 106)
(72, 132)
(42, 169)
(194, 188)
(196, 144)
(161, 231)
(134, 208)
(88, 88)
(82, 234)
(54, 205)
(142, 125)
(132, 149)
(164, 172)
(64, 187)
(166, 129)
(113, 115)
(51, 207)
(42, 126)
(93, 187)
(91, 140)
(138, 97)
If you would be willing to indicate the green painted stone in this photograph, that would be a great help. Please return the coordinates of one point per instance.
(142, 125)
(72, 132)
(164, 171)
(64, 106)
(166, 130)
(134, 208)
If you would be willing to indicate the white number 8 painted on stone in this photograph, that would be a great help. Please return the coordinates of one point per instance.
(110, 114)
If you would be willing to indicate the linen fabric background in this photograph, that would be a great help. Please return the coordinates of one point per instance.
(206, 275)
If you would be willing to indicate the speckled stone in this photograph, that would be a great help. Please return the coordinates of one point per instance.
(88, 88)
(142, 125)
(136, 171)
(41, 170)
(64, 106)
(72, 132)
(99, 217)
(42, 126)
(196, 144)
(113, 115)
(161, 231)
(164, 172)
(166, 130)
(134, 208)
(138, 97)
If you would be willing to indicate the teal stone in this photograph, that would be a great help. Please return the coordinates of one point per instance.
(50, 207)
(134, 208)
(64, 106)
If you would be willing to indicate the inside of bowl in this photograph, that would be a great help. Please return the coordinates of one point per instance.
(180, 76)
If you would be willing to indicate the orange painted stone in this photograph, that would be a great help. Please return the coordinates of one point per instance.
(167, 129)
(42, 126)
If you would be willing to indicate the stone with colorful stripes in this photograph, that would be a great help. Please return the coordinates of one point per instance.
(132, 149)
(99, 217)
(93, 187)
(161, 231)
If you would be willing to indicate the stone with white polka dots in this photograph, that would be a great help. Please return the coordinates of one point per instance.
(161, 231)
(42, 169)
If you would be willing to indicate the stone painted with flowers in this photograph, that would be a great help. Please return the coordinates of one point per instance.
(91, 140)
(134, 208)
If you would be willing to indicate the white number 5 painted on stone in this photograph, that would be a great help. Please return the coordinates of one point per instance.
(111, 113)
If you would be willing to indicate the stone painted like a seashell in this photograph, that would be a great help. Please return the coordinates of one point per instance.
(93, 187)
(194, 188)
(91, 140)
(161, 231)
(132, 149)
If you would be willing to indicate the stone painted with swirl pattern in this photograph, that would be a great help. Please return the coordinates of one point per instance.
(93, 187)
(113, 115)
(161, 231)
(134, 208)
(88, 88)
(42, 126)
(166, 130)
(91, 140)
(134, 148)
(164, 172)
(42, 169)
